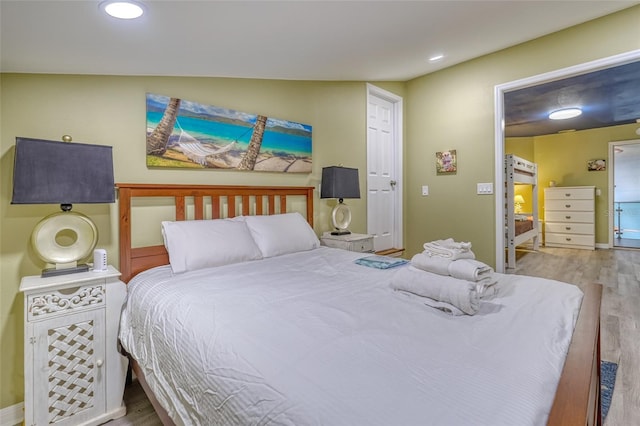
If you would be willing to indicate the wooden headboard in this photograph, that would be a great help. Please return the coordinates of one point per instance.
(253, 200)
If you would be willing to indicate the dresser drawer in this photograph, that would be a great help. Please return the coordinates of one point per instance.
(569, 228)
(569, 216)
(571, 205)
(569, 240)
(569, 193)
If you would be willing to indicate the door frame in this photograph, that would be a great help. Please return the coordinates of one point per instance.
(610, 171)
(396, 137)
(499, 92)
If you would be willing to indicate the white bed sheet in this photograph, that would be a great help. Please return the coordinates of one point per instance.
(311, 338)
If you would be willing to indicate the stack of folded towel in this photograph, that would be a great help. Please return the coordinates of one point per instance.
(461, 283)
(447, 257)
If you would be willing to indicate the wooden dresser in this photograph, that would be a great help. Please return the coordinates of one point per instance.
(569, 217)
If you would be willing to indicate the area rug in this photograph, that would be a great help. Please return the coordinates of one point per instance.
(608, 372)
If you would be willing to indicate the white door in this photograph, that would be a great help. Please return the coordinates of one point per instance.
(384, 194)
(624, 193)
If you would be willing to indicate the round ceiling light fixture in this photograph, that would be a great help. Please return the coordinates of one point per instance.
(123, 9)
(565, 113)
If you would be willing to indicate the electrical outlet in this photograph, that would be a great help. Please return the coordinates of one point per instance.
(425, 190)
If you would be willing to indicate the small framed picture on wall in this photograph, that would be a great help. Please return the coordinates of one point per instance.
(446, 162)
(596, 165)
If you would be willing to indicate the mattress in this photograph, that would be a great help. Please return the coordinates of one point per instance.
(311, 338)
(523, 226)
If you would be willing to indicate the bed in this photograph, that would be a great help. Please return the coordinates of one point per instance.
(519, 228)
(276, 357)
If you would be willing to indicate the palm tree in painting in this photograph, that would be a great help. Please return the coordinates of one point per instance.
(157, 140)
(249, 160)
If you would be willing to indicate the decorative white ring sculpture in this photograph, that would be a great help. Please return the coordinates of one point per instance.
(45, 234)
(341, 217)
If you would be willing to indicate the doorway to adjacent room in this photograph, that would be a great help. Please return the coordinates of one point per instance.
(624, 184)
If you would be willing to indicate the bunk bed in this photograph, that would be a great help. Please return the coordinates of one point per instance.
(519, 228)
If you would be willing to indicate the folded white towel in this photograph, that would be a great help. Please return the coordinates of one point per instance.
(441, 306)
(451, 254)
(435, 264)
(459, 293)
(449, 249)
(470, 270)
(449, 243)
(487, 291)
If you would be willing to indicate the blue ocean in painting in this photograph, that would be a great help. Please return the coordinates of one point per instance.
(220, 132)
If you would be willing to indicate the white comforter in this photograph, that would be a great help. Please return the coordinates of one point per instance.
(313, 339)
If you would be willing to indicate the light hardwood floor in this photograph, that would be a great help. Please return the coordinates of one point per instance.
(617, 269)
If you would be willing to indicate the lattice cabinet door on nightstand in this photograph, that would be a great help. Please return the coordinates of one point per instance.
(74, 374)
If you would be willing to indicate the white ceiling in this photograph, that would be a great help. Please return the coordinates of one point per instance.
(302, 40)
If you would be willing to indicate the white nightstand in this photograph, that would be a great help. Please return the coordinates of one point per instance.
(74, 374)
(362, 243)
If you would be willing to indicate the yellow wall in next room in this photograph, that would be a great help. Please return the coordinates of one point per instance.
(563, 158)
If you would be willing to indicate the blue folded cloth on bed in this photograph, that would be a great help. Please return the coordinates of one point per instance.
(380, 262)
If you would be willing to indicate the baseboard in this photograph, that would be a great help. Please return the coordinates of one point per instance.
(602, 245)
(12, 415)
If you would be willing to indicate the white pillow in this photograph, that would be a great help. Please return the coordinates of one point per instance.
(282, 233)
(196, 244)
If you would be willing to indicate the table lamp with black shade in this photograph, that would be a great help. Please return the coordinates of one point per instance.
(65, 173)
(340, 182)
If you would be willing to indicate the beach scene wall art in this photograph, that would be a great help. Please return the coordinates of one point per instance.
(181, 134)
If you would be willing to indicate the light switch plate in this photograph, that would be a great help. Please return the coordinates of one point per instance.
(485, 188)
(425, 190)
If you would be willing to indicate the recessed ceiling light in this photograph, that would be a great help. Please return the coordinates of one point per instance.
(563, 114)
(436, 58)
(123, 9)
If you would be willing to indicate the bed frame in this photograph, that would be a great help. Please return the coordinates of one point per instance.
(577, 399)
(519, 171)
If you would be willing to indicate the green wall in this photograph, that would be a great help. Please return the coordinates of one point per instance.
(449, 109)
(454, 109)
(110, 110)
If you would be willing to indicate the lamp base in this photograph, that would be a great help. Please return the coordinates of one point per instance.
(53, 272)
(62, 239)
(340, 232)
